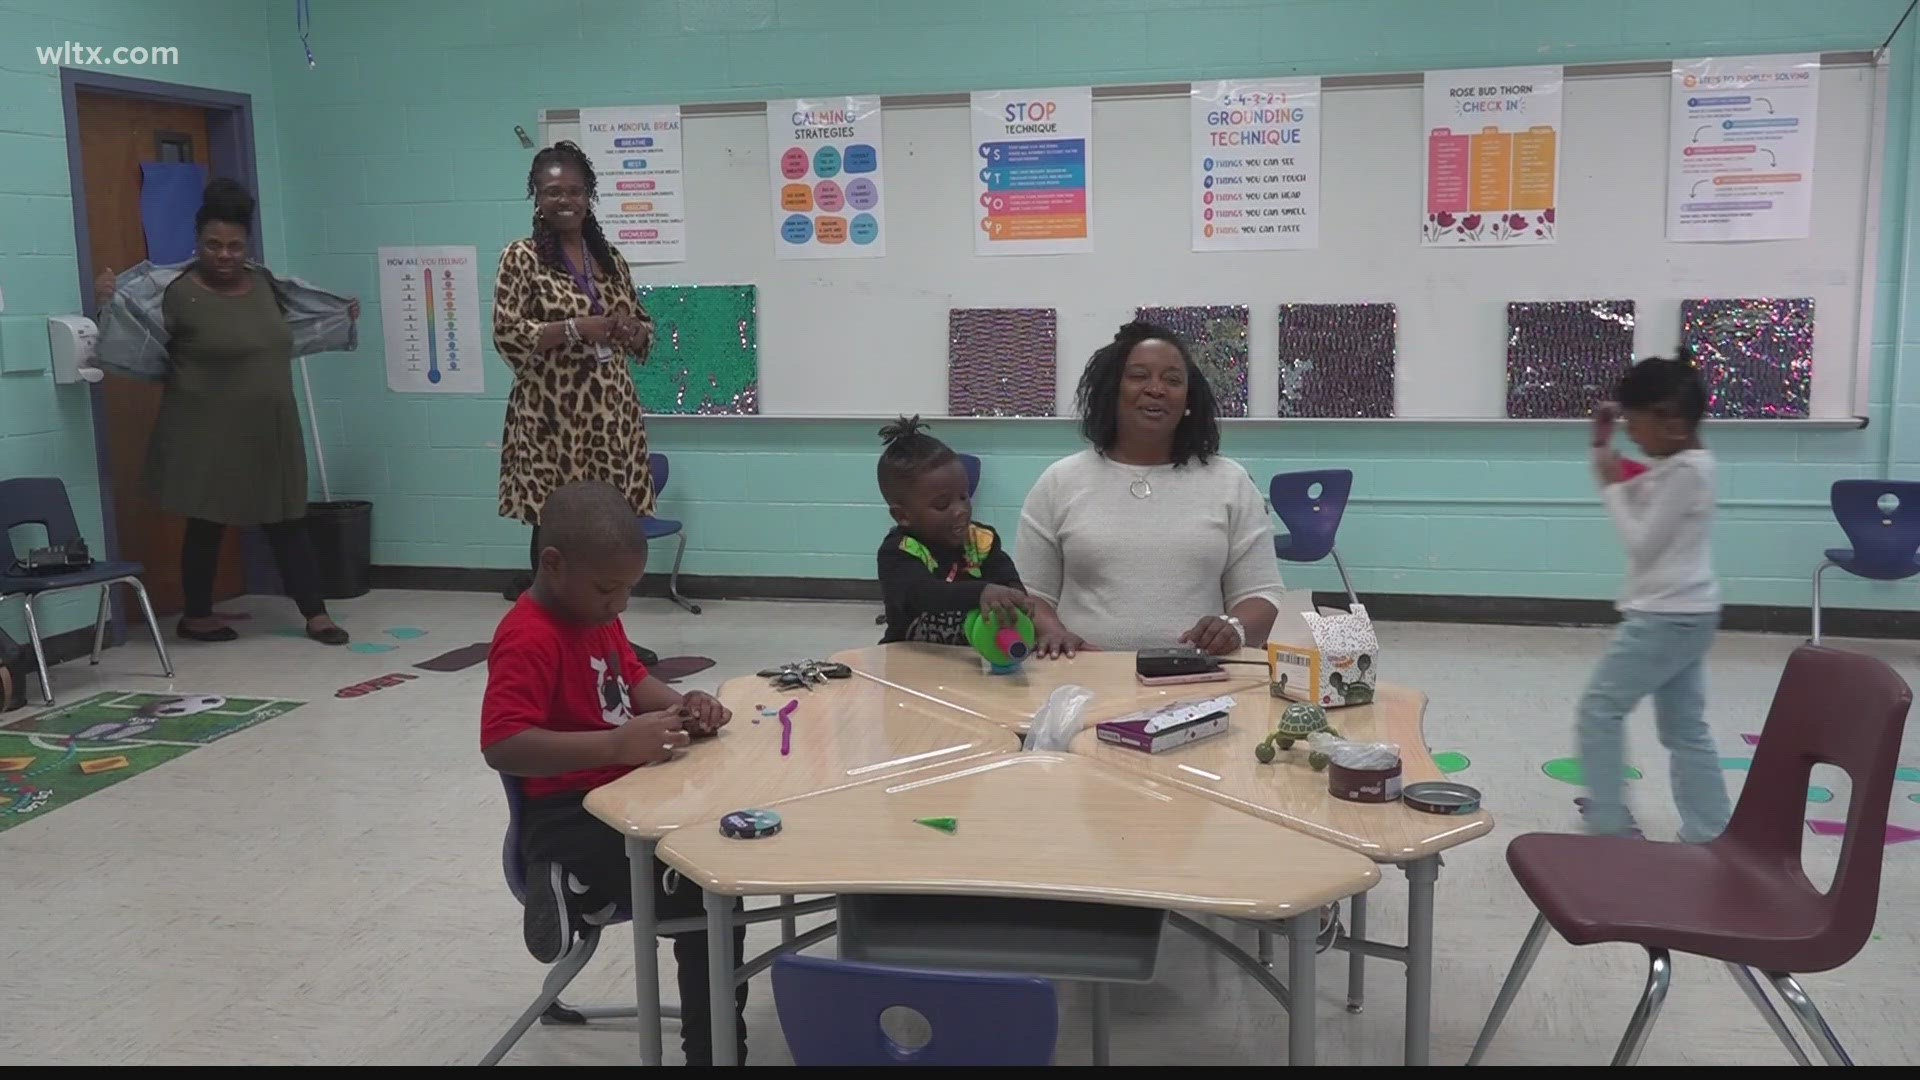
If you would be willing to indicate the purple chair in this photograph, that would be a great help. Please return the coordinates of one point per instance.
(1742, 899)
(830, 1012)
(1882, 520)
(1311, 519)
(42, 501)
(659, 527)
(547, 1008)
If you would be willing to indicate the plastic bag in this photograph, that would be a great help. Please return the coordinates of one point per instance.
(1058, 721)
(1355, 755)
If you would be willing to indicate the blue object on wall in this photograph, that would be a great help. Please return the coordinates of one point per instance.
(169, 198)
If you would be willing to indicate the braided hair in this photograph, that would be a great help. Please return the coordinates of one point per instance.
(546, 242)
(911, 452)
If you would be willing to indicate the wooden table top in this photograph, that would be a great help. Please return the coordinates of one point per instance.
(1031, 825)
(1292, 793)
(848, 732)
(956, 676)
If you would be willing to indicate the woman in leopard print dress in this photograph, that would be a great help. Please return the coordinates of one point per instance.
(565, 320)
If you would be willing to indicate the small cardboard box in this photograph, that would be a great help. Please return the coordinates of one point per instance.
(1339, 667)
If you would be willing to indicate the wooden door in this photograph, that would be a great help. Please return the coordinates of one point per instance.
(117, 134)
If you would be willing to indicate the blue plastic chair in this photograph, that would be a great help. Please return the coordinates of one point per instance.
(42, 501)
(1886, 543)
(547, 1007)
(659, 527)
(1311, 520)
(830, 1013)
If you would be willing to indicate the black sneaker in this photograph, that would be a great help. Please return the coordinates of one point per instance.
(546, 924)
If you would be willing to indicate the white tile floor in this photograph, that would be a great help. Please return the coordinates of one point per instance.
(325, 888)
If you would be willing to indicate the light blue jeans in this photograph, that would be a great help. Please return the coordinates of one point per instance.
(1663, 656)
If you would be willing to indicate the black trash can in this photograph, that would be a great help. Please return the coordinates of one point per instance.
(343, 546)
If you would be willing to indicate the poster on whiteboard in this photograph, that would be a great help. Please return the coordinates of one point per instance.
(827, 184)
(1740, 147)
(1256, 164)
(1033, 171)
(430, 320)
(635, 150)
(1492, 156)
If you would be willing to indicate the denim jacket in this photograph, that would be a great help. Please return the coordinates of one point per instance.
(133, 328)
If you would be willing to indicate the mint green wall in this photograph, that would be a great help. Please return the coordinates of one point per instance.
(47, 429)
(403, 134)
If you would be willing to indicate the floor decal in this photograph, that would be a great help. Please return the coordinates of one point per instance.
(51, 758)
(1450, 762)
(361, 689)
(459, 659)
(1567, 771)
(369, 648)
(406, 633)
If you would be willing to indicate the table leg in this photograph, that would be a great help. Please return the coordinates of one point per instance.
(1421, 875)
(1303, 951)
(1266, 947)
(726, 1047)
(786, 924)
(1357, 960)
(646, 948)
(1099, 1023)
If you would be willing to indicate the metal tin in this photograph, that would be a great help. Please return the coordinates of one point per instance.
(1363, 785)
(1441, 797)
(750, 824)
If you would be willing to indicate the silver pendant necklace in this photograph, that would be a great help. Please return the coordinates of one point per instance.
(1140, 488)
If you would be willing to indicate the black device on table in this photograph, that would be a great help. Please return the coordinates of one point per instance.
(55, 559)
(1180, 663)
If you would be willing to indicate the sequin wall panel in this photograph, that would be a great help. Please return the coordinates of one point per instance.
(706, 351)
(1337, 359)
(1756, 355)
(1565, 355)
(1217, 335)
(1000, 361)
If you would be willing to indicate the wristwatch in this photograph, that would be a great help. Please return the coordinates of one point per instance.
(1239, 631)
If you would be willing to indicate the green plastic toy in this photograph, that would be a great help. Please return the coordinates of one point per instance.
(1297, 722)
(944, 824)
(1003, 647)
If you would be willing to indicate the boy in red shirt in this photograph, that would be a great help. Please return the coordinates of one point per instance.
(568, 708)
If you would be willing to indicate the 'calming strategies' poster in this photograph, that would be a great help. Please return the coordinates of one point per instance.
(828, 188)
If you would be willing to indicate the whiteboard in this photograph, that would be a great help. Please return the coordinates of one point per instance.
(867, 337)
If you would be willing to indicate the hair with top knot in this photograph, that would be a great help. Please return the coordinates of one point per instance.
(1198, 435)
(1667, 388)
(227, 202)
(546, 242)
(911, 452)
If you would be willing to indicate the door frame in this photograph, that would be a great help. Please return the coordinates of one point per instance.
(230, 153)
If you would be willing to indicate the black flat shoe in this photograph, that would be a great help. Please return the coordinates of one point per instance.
(224, 633)
(647, 656)
(332, 635)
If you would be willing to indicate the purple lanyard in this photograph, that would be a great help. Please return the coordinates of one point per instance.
(584, 280)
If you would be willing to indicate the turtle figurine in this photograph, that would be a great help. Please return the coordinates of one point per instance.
(1297, 722)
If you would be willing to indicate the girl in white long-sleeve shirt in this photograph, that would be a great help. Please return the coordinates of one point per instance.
(1669, 606)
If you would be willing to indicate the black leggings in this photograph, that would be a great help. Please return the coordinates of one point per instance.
(292, 552)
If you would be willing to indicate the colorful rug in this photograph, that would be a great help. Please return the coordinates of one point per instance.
(52, 758)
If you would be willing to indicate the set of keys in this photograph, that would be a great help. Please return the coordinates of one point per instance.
(805, 674)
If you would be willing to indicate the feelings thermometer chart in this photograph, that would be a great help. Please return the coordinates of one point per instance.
(1256, 165)
(430, 320)
(1033, 162)
(827, 181)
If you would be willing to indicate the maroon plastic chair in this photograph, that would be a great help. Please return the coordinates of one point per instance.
(1742, 899)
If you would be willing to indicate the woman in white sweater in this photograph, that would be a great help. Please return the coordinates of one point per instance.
(1150, 538)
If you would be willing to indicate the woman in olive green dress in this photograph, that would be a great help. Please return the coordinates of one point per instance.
(227, 448)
